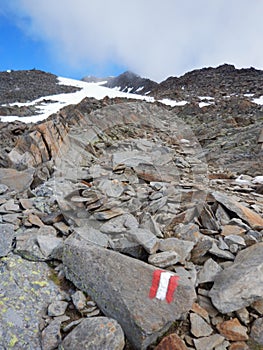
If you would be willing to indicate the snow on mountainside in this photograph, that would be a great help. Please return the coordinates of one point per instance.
(48, 105)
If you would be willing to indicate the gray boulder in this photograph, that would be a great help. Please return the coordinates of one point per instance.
(240, 284)
(95, 333)
(120, 286)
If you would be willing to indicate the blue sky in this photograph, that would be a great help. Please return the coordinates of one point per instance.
(19, 51)
(154, 38)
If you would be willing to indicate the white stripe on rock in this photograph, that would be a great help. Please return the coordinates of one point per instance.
(163, 285)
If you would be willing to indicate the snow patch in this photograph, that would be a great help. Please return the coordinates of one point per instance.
(206, 98)
(140, 89)
(204, 104)
(172, 103)
(47, 108)
(258, 101)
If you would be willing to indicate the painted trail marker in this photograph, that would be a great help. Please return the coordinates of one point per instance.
(163, 285)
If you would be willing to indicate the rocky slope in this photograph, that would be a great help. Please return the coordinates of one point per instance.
(116, 233)
(127, 82)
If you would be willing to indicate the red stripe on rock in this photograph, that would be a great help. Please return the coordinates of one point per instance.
(155, 283)
(173, 283)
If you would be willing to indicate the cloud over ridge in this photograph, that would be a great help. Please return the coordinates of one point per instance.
(151, 37)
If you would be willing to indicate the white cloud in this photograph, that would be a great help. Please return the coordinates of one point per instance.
(152, 37)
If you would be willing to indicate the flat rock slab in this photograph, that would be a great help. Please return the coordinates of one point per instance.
(244, 213)
(120, 286)
(25, 292)
(17, 180)
(240, 284)
(95, 333)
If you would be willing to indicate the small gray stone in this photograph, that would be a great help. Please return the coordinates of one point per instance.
(108, 214)
(189, 232)
(221, 253)
(146, 239)
(235, 239)
(209, 271)
(208, 343)
(163, 259)
(257, 331)
(79, 300)
(149, 223)
(62, 227)
(51, 336)
(92, 236)
(57, 308)
(243, 315)
(120, 224)
(3, 188)
(94, 334)
(181, 247)
(199, 327)
(112, 188)
(49, 246)
(7, 235)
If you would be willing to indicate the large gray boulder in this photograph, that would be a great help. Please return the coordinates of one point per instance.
(240, 284)
(120, 286)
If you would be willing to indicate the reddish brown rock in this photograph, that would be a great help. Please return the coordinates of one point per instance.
(171, 342)
(232, 230)
(200, 311)
(233, 330)
(240, 345)
(16, 180)
(41, 144)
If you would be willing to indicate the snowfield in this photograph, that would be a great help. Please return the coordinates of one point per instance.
(48, 105)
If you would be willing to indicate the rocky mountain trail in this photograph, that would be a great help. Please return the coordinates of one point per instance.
(116, 233)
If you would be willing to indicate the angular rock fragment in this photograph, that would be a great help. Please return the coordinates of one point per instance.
(163, 259)
(171, 342)
(199, 328)
(240, 284)
(209, 271)
(233, 330)
(57, 308)
(120, 286)
(181, 247)
(17, 180)
(208, 343)
(244, 213)
(7, 235)
(146, 239)
(51, 336)
(95, 333)
(257, 331)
